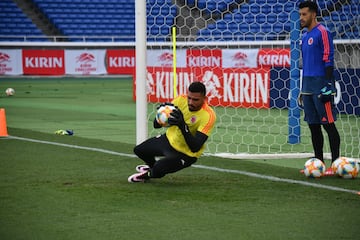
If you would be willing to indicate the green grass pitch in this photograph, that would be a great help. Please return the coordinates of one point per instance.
(54, 191)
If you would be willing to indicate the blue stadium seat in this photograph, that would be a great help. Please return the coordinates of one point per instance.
(289, 6)
(255, 28)
(110, 16)
(244, 9)
(14, 22)
(267, 28)
(270, 19)
(233, 26)
(283, 17)
(213, 6)
(261, 18)
(190, 2)
(254, 19)
(244, 28)
(266, 9)
(255, 9)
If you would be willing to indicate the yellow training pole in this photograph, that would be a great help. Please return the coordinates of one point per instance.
(174, 59)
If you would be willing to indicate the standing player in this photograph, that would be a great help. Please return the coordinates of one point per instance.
(317, 92)
(191, 123)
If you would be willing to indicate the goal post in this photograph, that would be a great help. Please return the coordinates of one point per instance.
(294, 110)
(140, 78)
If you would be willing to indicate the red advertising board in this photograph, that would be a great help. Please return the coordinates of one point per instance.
(120, 61)
(204, 58)
(233, 77)
(246, 87)
(274, 57)
(43, 62)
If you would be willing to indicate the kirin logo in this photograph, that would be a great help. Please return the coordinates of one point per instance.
(166, 59)
(240, 59)
(85, 58)
(4, 57)
(212, 83)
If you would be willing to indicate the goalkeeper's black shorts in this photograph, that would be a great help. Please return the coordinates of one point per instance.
(169, 160)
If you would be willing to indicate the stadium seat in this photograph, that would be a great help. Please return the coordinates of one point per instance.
(255, 9)
(109, 16)
(259, 19)
(266, 9)
(273, 18)
(15, 22)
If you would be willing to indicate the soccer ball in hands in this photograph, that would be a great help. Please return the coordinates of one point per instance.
(10, 92)
(163, 114)
(314, 168)
(346, 167)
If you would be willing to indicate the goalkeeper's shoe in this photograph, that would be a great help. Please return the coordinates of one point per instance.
(142, 168)
(139, 177)
(329, 172)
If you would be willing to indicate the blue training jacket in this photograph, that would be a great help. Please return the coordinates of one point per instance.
(317, 53)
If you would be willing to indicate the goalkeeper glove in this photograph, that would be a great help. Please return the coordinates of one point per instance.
(176, 118)
(325, 94)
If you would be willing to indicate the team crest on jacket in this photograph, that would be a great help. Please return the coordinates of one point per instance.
(310, 41)
(193, 119)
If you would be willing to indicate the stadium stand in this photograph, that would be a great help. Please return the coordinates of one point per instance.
(269, 20)
(224, 20)
(107, 20)
(342, 18)
(16, 26)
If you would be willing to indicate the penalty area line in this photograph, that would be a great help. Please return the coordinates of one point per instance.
(250, 174)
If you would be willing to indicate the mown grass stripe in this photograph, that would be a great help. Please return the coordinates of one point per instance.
(250, 174)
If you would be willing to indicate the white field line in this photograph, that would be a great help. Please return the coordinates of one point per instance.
(276, 179)
(267, 155)
(250, 174)
(73, 146)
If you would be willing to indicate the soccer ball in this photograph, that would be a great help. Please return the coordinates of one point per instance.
(314, 168)
(336, 163)
(163, 114)
(10, 92)
(348, 168)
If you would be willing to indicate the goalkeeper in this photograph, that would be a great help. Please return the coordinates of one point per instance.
(317, 92)
(191, 123)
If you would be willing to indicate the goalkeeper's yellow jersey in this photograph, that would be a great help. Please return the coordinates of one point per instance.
(202, 120)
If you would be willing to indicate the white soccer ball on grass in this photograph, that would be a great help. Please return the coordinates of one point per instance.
(10, 92)
(346, 167)
(314, 168)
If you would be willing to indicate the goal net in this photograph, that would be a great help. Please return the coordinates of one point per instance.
(247, 54)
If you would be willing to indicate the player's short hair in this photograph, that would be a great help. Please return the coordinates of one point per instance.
(313, 7)
(197, 87)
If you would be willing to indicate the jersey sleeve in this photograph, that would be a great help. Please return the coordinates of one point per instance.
(208, 121)
(328, 46)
